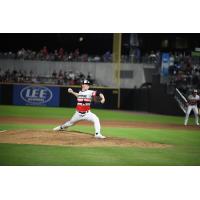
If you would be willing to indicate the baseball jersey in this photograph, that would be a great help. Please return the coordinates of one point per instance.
(193, 99)
(84, 100)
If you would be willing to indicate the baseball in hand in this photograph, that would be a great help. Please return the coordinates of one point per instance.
(103, 101)
(70, 90)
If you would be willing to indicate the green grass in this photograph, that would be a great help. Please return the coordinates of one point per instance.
(14, 154)
(60, 113)
(185, 149)
(35, 112)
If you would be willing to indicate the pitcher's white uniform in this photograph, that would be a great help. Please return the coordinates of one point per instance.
(192, 105)
(83, 112)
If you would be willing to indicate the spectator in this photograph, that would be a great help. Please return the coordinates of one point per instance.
(77, 78)
(188, 68)
(61, 54)
(82, 76)
(137, 55)
(70, 57)
(65, 78)
(89, 78)
(7, 75)
(21, 53)
(1, 75)
(60, 78)
(96, 58)
(56, 55)
(85, 57)
(107, 57)
(54, 74)
(39, 55)
(35, 79)
(171, 60)
(20, 76)
(152, 57)
(14, 75)
(71, 78)
(65, 57)
(60, 74)
(31, 73)
(172, 68)
(45, 53)
(76, 54)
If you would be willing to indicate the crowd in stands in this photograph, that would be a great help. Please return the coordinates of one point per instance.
(58, 78)
(75, 56)
(56, 55)
(184, 72)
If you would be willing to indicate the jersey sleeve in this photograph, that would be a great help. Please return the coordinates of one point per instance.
(93, 93)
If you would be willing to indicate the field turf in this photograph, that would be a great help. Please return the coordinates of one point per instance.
(185, 149)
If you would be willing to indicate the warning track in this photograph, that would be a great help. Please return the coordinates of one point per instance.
(122, 124)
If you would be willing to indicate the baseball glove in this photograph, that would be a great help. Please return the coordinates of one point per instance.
(97, 99)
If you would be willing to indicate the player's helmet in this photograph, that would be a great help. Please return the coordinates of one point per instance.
(85, 82)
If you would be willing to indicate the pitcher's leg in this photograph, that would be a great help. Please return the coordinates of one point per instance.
(93, 118)
(195, 109)
(187, 114)
(75, 118)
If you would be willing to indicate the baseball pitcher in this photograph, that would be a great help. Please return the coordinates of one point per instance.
(192, 105)
(84, 98)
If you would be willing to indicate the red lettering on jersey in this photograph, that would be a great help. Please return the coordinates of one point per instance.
(82, 108)
(85, 100)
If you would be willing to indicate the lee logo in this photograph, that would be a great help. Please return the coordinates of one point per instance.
(36, 94)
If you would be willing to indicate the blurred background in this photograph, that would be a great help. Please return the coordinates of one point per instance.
(136, 71)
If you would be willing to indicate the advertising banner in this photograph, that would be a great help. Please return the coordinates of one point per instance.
(195, 53)
(165, 64)
(36, 95)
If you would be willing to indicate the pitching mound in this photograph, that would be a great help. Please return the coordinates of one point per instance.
(47, 137)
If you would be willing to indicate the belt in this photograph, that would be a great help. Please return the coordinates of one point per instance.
(83, 112)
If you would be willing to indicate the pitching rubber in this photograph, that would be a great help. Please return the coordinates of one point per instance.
(2, 131)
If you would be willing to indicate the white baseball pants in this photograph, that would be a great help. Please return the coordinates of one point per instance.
(88, 116)
(189, 109)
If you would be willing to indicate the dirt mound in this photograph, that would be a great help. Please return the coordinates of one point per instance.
(66, 138)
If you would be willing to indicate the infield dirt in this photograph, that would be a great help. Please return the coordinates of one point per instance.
(122, 124)
(70, 138)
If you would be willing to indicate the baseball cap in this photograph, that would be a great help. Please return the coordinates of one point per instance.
(85, 82)
(195, 91)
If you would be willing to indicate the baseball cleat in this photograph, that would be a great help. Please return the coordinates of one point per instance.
(58, 128)
(99, 136)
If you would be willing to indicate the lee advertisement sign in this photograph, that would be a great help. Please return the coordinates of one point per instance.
(36, 95)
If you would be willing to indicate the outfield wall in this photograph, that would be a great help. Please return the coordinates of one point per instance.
(153, 100)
